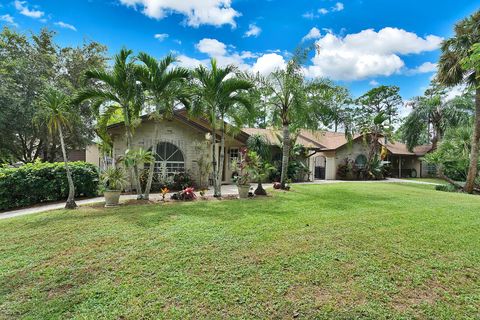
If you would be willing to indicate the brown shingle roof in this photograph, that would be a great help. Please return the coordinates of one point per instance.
(272, 137)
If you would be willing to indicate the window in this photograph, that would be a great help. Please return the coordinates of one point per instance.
(360, 161)
(170, 157)
(234, 154)
(431, 169)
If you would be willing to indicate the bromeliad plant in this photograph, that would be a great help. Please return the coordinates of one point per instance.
(114, 179)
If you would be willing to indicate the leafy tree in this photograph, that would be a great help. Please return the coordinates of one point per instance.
(166, 88)
(337, 100)
(113, 90)
(29, 64)
(219, 94)
(57, 114)
(382, 99)
(293, 103)
(452, 70)
(432, 114)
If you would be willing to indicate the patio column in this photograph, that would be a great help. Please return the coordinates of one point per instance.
(399, 166)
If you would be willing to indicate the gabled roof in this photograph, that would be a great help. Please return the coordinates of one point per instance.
(182, 116)
(272, 137)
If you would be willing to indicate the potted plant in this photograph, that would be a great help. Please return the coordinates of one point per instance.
(114, 181)
(246, 171)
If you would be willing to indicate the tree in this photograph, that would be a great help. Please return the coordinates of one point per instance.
(114, 90)
(452, 70)
(261, 147)
(57, 114)
(29, 64)
(337, 100)
(219, 93)
(166, 88)
(295, 103)
(432, 114)
(382, 99)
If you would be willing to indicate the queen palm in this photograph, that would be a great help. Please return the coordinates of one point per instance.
(167, 88)
(218, 95)
(451, 71)
(118, 89)
(56, 113)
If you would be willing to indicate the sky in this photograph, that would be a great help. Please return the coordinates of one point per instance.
(363, 43)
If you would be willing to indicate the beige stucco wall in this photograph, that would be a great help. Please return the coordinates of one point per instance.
(177, 133)
(92, 154)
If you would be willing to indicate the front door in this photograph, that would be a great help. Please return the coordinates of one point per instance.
(320, 164)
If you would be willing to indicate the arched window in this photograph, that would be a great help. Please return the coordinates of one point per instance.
(360, 161)
(169, 156)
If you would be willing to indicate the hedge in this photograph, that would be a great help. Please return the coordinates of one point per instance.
(41, 182)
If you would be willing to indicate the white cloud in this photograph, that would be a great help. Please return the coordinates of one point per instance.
(373, 83)
(177, 41)
(338, 7)
(314, 33)
(253, 31)
(367, 53)
(212, 12)
(160, 36)
(426, 67)
(268, 63)
(309, 15)
(64, 25)
(8, 19)
(225, 55)
(322, 11)
(212, 47)
(23, 8)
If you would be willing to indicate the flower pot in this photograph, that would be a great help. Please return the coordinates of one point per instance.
(112, 198)
(243, 191)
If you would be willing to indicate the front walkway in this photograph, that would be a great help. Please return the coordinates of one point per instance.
(226, 190)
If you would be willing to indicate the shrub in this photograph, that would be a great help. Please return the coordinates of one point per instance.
(41, 182)
(446, 187)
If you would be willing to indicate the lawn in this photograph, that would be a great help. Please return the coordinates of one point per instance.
(431, 180)
(349, 250)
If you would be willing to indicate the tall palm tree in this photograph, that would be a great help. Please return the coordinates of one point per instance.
(117, 89)
(218, 95)
(166, 88)
(451, 72)
(57, 114)
(296, 103)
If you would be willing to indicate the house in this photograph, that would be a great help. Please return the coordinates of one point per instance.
(325, 151)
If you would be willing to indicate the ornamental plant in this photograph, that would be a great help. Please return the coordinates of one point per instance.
(248, 167)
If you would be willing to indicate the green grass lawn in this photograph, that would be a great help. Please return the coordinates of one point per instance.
(347, 250)
(431, 180)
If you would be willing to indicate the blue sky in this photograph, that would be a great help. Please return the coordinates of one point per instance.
(363, 42)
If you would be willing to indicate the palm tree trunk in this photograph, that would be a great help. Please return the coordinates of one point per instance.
(151, 168)
(221, 163)
(134, 170)
(260, 191)
(473, 168)
(214, 163)
(285, 155)
(71, 187)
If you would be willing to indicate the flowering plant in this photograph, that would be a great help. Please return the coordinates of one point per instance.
(164, 192)
(189, 194)
(247, 169)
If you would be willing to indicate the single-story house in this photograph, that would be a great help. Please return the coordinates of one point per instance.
(175, 148)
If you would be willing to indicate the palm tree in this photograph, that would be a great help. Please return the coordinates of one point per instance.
(166, 87)
(432, 114)
(451, 72)
(56, 113)
(114, 90)
(296, 103)
(261, 147)
(219, 94)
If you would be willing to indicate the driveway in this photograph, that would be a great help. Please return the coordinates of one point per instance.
(226, 190)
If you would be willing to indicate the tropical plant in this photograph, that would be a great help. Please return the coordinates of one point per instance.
(204, 165)
(166, 88)
(261, 147)
(113, 91)
(56, 112)
(432, 114)
(219, 93)
(114, 179)
(295, 102)
(382, 99)
(372, 128)
(247, 168)
(454, 68)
